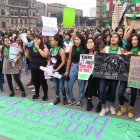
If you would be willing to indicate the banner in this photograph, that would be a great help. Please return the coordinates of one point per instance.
(69, 18)
(114, 67)
(86, 66)
(49, 26)
(14, 51)
(22, 119)
(134, 72)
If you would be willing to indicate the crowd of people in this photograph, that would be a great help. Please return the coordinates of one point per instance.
(62, 51)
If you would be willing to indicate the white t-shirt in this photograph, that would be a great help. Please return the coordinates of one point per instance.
(68, 46)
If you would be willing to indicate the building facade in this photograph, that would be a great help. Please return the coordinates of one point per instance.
(18, 13)
(27, 13)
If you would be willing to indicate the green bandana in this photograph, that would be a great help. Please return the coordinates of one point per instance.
(6, 50)
(55, 50)
(67, 41)
(35, 49)
(135, 51)
(79, 49)
(114, 50)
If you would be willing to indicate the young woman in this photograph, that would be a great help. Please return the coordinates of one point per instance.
(114, 48)
(38, 54)
(72, 69)
(133, 48)
(92, 81)
(9, 69)
(20, 60)
(57, 59)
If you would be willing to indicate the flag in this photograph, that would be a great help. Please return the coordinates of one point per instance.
(106, 7)
(110, 6)
(137, 2)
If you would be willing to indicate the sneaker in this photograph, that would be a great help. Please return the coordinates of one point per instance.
(130, 112)
(44, 98)
(79, 103)
(35, 97)
(33, 90)
(12, 94)
(57, 100)
(29, 84)
(23, 94)
(99, 107)
(71, 101)
(112, 110)
(65, 101)
(103, 112)
(121, 111)
(138, 119)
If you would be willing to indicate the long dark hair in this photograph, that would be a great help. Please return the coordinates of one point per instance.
(120, 43)
(82, 38)
(86, 49)
(59, 38)
(41, 46)
(129, 45)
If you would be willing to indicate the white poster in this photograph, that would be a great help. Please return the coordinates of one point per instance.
(14, 51)
(23, 37)
(49, 26)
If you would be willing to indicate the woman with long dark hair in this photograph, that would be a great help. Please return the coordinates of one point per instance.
(72, 69)
(11, 68)
(133, 48)
(57, 59)
(114, 48)
(38, 54)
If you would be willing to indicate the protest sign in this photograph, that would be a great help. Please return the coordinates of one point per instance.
(23, 37)
(86, 66)
(14, 51)
(22, 119)
(49, 26)
(48, 72)
(114, 67)
(69, 18)
(134, 72)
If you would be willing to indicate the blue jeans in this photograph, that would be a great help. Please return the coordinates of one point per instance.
(104, 84)
(59, 85)
(73, 75)
(121, 91)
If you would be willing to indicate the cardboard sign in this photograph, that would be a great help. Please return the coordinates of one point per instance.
(49, 26)
(134, 72)
(22, 119)
(69, 18)
(14, 51)
(86, 66)
(114, 67)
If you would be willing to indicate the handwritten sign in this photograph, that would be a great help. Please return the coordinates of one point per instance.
(86, 66)
(114, 67)
(23, 119)
(134, 72)
(23, 37)
(14, 51)
(49, 26)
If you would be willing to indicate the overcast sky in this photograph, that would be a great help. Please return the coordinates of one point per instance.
(84, 5)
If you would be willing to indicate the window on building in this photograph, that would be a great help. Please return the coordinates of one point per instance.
(16, 21)
(21, 21)
(25, 13)
(12, 13)
(2, 12)
(16, 13)
(25, 21)
(34, 14)
(21, 13)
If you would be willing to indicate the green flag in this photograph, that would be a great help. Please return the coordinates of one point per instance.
(69, 18)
